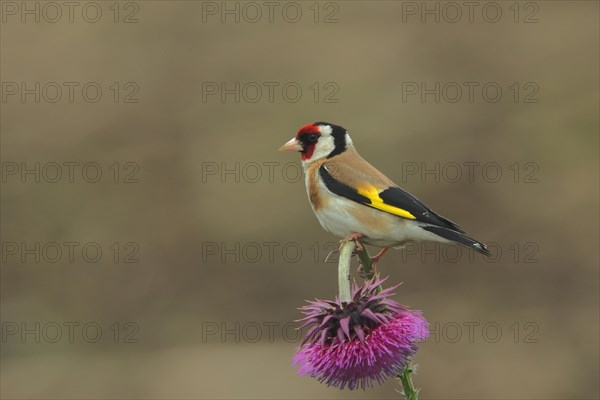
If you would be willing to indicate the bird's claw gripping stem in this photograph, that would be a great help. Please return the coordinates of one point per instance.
(354, 237)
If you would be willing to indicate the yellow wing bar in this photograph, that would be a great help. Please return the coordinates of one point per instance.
(372, 194)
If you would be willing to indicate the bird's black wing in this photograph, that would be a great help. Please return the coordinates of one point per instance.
(392, 200)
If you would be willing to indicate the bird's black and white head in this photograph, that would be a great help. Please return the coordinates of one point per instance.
(319, 140)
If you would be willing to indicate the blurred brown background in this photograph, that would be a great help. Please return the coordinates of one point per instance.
(198, 317)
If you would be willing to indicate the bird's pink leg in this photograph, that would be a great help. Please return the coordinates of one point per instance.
(374, 261)
(379, 255)
(354, 237)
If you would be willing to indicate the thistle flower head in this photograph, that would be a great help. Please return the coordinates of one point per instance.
(361, 341)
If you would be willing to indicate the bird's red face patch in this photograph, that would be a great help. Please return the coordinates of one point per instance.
(310, 128)
(309, 136)
(308, 152)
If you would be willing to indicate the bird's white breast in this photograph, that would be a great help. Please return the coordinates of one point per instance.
(343, 217)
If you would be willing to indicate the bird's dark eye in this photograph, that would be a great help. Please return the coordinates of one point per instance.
(313, 137)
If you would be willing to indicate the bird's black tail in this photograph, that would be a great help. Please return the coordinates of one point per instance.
(459, 238)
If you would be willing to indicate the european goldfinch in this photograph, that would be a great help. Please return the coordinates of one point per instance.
(353, 200)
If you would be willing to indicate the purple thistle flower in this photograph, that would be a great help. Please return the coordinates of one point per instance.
(353, 344)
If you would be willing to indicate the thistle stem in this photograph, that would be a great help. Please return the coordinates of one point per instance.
(410, 393)
(366, 262)
(344, 270)
(346, 250)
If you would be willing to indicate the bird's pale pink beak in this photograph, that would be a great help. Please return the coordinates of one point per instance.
(292, 145)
